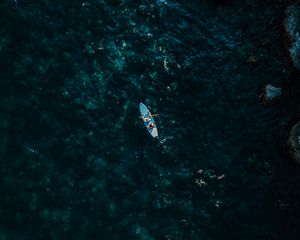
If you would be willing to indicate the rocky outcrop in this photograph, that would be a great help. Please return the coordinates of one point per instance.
(294, 142)
(292, 41)
(292, 44)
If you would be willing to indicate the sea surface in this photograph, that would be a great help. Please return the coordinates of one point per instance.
(78, 163)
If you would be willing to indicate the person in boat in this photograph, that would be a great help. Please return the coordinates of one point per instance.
(145, 119)
(151, 125)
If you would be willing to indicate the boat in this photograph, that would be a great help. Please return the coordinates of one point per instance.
(148, 120)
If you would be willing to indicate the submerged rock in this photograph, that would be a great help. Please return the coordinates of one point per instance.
(139, 232)
(270, 94)
(252, 59)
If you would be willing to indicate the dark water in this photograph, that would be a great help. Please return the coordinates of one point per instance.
(77, 163)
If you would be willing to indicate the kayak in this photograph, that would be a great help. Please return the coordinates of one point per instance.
(146, 114)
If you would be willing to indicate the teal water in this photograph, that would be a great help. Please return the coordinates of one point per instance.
(76, 161)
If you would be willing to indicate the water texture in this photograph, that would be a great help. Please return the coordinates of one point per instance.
(78, 163)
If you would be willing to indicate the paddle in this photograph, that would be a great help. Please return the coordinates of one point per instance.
(153, 115)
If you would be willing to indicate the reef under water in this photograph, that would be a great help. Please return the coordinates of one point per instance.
(78, 163)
